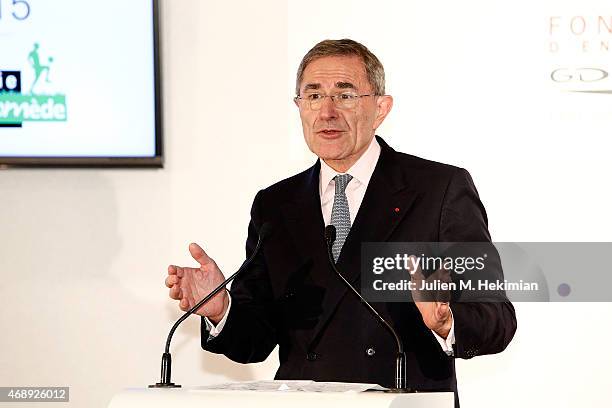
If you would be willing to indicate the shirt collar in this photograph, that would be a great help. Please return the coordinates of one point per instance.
(361, 171)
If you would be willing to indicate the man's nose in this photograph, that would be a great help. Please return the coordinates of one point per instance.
(328, 109)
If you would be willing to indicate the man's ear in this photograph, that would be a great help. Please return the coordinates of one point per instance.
(384, 104)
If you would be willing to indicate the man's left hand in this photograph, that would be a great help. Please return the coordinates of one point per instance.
(437, 317)
(433, 304)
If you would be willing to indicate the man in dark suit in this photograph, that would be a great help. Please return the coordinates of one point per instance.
(291, 298)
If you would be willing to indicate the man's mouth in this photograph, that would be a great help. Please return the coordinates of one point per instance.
(330, 133)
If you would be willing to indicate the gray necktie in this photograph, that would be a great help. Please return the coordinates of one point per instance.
(340, 216)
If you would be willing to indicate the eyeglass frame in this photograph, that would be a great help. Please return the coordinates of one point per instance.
(298, 98)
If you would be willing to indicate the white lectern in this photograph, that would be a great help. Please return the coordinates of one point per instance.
(198, 397)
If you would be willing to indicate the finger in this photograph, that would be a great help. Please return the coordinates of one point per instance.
(186, 288)
(439, 273)
(442, 310)
(172, 280)
(171, 269)
(443, 275)
(199, 255)
(184, 305)
(175, 292)
(440, 278)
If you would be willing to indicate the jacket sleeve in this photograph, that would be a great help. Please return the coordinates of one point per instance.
(481, 327)
(249, 334)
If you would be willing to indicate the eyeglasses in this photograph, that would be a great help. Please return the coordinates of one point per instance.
(345, 100)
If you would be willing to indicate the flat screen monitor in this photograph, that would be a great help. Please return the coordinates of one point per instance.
(80, 83)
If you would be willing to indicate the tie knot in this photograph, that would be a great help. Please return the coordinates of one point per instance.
(342, 181)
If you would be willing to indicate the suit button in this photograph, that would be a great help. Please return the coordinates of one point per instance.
(312, 356)
(371, 351)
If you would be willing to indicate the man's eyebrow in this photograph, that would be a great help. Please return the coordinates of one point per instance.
(345, 85)
(312, 86)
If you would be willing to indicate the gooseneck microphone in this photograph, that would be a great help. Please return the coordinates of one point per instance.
(166, 363)
(400, 360)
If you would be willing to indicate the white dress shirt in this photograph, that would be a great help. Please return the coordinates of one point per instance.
(355, 191)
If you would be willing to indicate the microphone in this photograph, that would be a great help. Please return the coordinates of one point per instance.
(166, 363)
(400, 359)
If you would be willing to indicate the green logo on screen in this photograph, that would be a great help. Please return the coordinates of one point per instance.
(18, 105)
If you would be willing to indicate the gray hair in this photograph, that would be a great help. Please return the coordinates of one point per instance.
(345, 47)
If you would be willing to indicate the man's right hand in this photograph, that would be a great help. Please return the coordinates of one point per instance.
(190, 285)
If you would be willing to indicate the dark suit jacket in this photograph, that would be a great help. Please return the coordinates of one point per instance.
(291, 297)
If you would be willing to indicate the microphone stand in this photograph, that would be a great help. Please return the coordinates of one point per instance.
(166, 363)
(400, 359)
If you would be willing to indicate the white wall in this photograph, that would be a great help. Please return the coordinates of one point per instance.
(83, 253)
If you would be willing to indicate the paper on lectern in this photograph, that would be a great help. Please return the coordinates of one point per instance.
(291, 386)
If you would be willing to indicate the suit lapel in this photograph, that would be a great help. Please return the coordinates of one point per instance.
(387, 200)
(303, 216)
